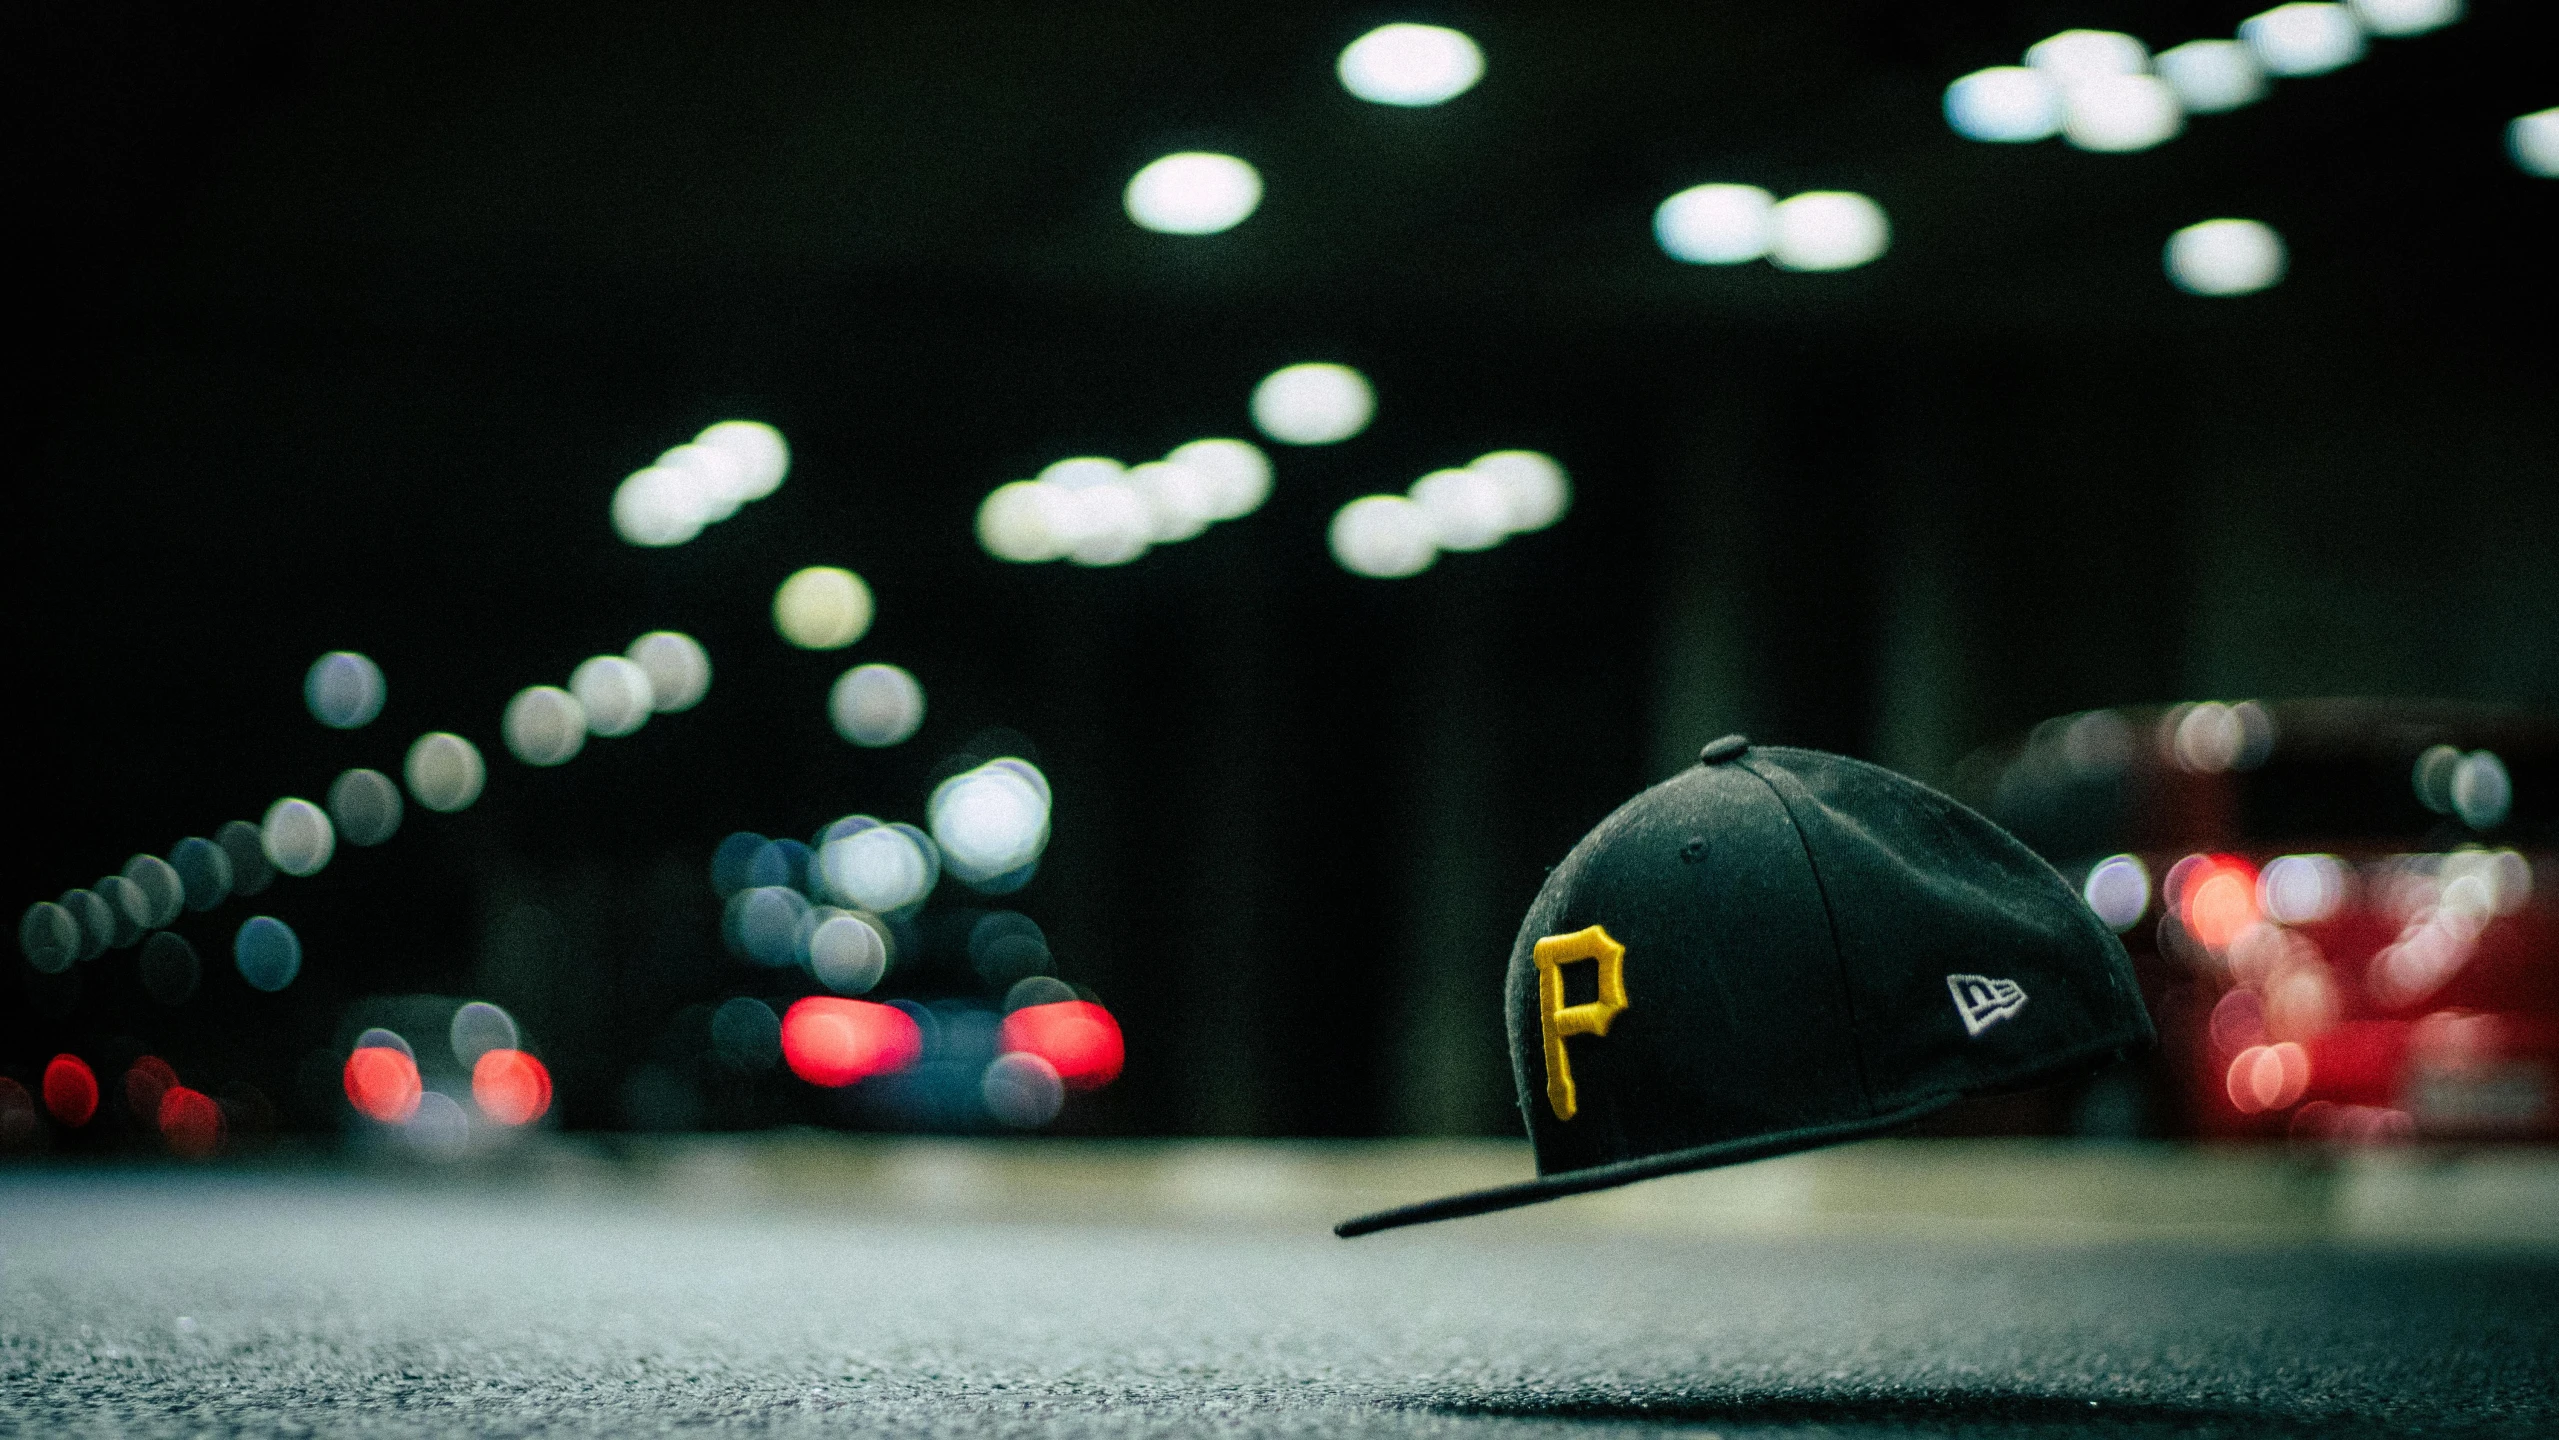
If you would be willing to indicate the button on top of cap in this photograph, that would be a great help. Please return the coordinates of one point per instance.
(1728, 748)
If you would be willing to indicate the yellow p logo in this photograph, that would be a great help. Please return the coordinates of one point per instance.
(1591, 1018)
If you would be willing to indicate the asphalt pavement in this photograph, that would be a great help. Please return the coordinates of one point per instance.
(174, 1302)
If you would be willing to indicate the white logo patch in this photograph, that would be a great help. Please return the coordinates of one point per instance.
(1983, 1001)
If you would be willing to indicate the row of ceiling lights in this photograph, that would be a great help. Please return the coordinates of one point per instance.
(1196, 192)
(2103, 91)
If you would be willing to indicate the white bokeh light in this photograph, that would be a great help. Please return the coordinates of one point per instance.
(1316, 403)
(881, 869)
(846, 955)
(657, 507)
(1095, 511)
(1534, 487)
(2005, 104)
(1028, 773)
(2116, 114)
(700, 483)
(1082, 508)
(2400, 18)
(1384, 537)
(544, 725)
(1828, 230)
(1113, 525)
(445, 772)
(614, 692)
(2207, 737)
(989, 822)
(2118, 891)
(2304, 38)
(714, 477)
(1239, 473)
(1715, 224)
(679, 669)
(2212, 77)
(1193, 192)
(1410, 65)
(2301, 889)
(297, 837)
(1468, 509)
(344, 690)
(2225, 257)
(2533, 141)
(1026, 522)
(2210, 737)
(1082, 472)
(1180, 502)
(876, 705)
(1474, 508)
(822, 608)
(762, 456)
(2075, 55)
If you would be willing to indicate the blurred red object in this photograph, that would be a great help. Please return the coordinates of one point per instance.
(828, 1040)
(383, 1083)
(2421, 998)
(190, 1122)
(2354, 935)
(1078, 1038)
(511, 1087)
(70, 1090)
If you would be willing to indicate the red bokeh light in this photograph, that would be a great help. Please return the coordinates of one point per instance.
(150, 1078)
(2218, 899)
(829, 1040)
(1078, 1037)
(190, 1122)
(383, 1083)
(511, 1087)
(70, 1090)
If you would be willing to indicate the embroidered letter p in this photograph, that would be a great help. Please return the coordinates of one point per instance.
(1558, 1019)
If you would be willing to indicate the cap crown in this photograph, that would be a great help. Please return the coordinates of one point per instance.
(1803, 944)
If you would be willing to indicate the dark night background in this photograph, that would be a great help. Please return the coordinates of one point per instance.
(346, 320)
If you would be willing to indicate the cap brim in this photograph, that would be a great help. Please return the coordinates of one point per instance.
(1624, 1172)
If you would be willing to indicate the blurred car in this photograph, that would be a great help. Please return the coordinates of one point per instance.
(2345, 913)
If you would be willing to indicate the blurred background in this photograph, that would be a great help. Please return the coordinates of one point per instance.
(2151, 442)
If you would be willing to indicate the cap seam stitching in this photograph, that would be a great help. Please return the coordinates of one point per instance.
(1830, 920)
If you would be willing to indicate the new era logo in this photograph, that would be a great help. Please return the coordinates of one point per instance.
(1983, 1001)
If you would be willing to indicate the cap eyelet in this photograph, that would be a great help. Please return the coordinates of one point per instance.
(1694, 850)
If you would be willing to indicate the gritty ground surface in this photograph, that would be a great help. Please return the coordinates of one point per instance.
(162, 1304)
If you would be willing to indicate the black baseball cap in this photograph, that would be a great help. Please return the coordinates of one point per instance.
(1780, 949)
